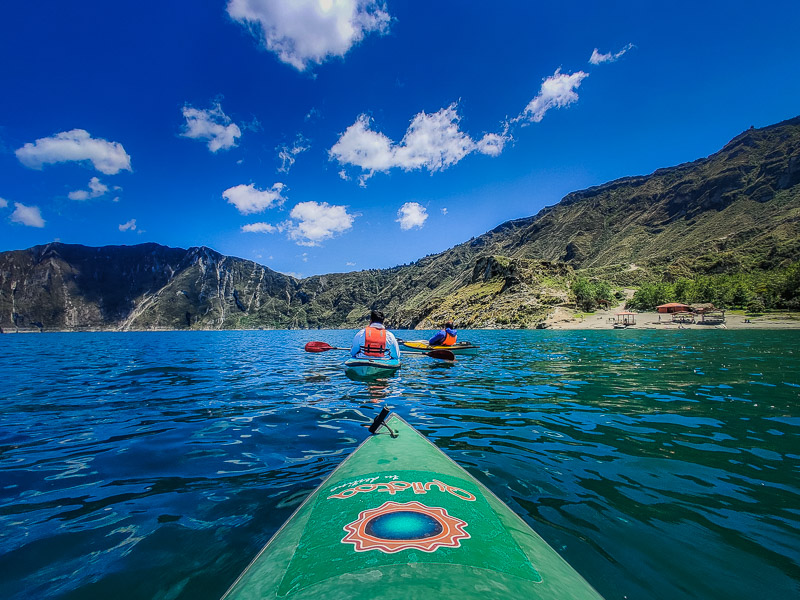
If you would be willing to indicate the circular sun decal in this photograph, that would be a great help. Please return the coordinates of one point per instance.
(393, 527)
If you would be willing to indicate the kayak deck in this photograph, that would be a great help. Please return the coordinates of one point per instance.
(399, 519)
(372, 367)
(378, 363)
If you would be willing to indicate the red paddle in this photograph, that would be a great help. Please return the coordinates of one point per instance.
(443, 354)
(321, 347)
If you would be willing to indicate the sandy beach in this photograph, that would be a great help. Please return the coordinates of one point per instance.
(564, 318)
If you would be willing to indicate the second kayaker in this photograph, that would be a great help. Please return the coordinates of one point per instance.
(445, 337)
(374, 341)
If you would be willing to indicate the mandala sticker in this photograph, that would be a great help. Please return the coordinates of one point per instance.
(393, 527)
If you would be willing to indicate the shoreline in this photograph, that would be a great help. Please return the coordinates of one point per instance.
(561, 319)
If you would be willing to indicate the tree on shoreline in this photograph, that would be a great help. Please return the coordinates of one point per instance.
(756, 291)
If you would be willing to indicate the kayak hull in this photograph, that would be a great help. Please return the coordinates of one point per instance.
(372, 367)
(423, 346)
(399, 519)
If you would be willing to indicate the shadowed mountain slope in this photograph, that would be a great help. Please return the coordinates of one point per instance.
(66, 286)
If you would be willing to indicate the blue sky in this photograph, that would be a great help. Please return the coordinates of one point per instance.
(335, 135)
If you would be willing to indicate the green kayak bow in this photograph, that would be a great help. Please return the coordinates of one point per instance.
(399, 519)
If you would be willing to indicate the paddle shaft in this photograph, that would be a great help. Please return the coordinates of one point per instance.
(440, 354)
(324, 347)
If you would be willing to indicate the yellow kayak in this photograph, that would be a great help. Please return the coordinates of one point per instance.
(423, 346)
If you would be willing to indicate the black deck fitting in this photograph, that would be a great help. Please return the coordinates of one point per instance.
(380, 420)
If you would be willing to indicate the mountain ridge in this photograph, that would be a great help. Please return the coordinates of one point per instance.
(735, 210)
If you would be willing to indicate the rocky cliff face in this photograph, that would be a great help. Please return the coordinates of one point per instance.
(738, 209)
(60, 285)
(66, 286)
(209, 290)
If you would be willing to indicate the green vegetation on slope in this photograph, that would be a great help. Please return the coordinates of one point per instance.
(590, 294)
(755, 291)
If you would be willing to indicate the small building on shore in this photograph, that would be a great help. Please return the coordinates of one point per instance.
(683, 316)
(705, 313)
(673, 307)
(712, 317)
(625, 319)
(702, 308)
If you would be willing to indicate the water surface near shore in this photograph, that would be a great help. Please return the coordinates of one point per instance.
(155, 465)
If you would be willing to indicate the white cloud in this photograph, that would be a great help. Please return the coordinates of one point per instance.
(75, 145)
(557, 91)
(350, 264)
(212, 125)
(597, 58)
(432, 141)
(302, 32)
(444, 211)
(287, 154)
(96, 189)
(27, 215)
(411, 214)
(249, 200)
(315, 222)
(3, 202)
(491, 144)
(129, 226)
(305, 257)
(362, 147)
(259, 228)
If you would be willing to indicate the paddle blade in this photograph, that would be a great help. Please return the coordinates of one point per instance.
(318, 347)
(443, 354)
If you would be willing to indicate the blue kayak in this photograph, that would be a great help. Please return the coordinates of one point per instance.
(372, 367)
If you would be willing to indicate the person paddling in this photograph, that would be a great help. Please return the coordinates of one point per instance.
(445, 337)
(374, 341)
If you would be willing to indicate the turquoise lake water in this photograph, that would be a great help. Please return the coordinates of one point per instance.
(660, 464)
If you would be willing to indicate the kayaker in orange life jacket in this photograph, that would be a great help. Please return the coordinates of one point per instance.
(374, 341)
(445, 337)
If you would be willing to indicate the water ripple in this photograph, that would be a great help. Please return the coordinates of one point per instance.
(155, 465)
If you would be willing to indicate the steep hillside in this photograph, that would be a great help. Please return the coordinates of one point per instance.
(737, 210)
(479, 290)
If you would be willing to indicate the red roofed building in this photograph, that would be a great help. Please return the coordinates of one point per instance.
(673, 307)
